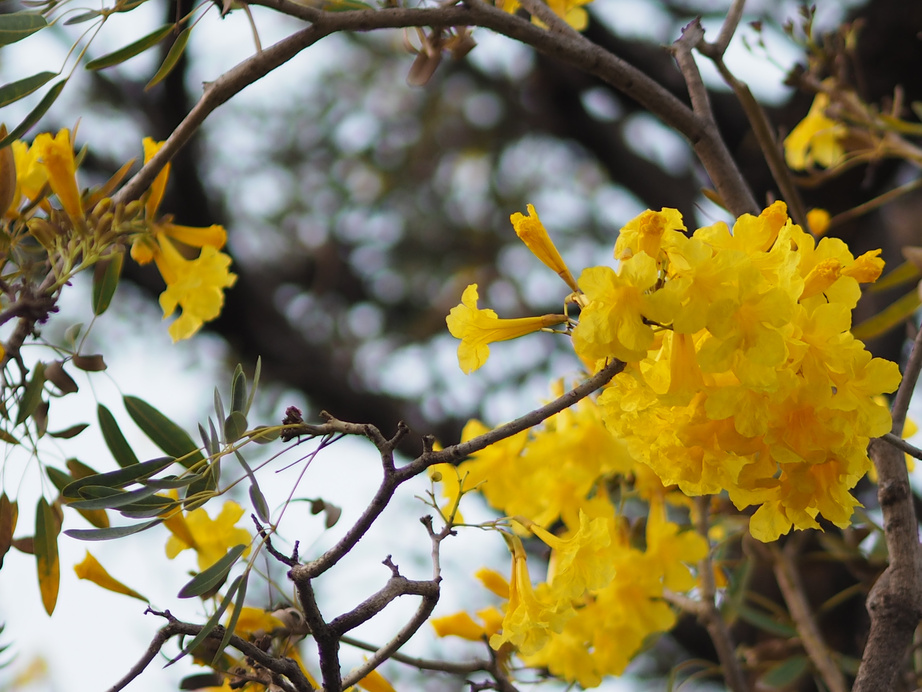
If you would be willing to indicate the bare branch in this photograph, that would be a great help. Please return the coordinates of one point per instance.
(792, 589)
(708, 615)
(424, 663)
(710, 147)
(902, 444)
(734, 15)
(529, 420)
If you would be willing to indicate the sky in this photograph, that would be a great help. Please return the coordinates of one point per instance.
(179, 380)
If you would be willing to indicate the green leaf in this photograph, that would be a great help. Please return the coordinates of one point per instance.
(12, 92)
(9, 439)
(169, 62)
(105, 280)
(35, 114)
(891, 316)
(93, 363)
(32, 396)
(58, 478)
(163, 432)
(111, 532)
(154, 506)
(118, 479)
(171, 482)
(83, 17)
(229, 630)
(218, 405)
(781, 677)
(259, 502)
(263, 434)
(256, 374)
(211, 444)
(121, 451)
(47, 528)
(70, 432)
(100, 497)
(131, 50)
(234, 426)
(212, 622)
(214, 576)
(765, 622)
(18, 25)
(239, 390)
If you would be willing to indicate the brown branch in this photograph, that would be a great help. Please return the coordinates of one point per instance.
(711, 149)
(895, 601)
(902, 444)
(424, 663)
(708, 615)
(285, 667)
(792, 589)
(462, 450)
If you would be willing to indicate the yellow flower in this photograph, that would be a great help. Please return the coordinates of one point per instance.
(650, 232)
(815, 139)
(477, 328)
(196, 285)
(211, 538)
(532, 232)
(91, 569)
(57, 158)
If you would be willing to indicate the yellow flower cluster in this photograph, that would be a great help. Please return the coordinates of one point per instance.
(603, 596)
(742, 374)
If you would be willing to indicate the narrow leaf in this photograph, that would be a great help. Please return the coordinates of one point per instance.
(904, 273)
(891, 316)
(172, 482)
(238, 390)
(105, 280)
(12, 92)
(131, 50)
(47, 528)
(765, 621)
(156, 506)
(163, 432)
(58, 478)
(209, 579)
(32, 396)
(782, 676)
(70, 432)
(121, 451)
(169, 62)
(100, 497)
(120, 478)
(109, 533)
(256, 374)
(18, 25)
(55, 373)
(9, 439)
(35, 114)
(83, 17)
(231, 626)
(218, 405)
(259, 503)
(212, 622)
(9, 513)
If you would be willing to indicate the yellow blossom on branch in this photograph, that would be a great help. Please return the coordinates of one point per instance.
(815, 139)
(210, 538)
(196, 285)
(478, 328)
(57, 157)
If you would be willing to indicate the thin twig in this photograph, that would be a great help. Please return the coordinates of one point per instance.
(423, 663)
(708, 614)
(902, 444)
(711, 149)
(792, 589)
(734, 15)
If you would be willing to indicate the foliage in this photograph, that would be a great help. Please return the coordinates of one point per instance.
(724, 398)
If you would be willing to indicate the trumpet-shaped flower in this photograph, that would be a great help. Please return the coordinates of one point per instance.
(93, 571)
(478, 328)
(531, 231)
